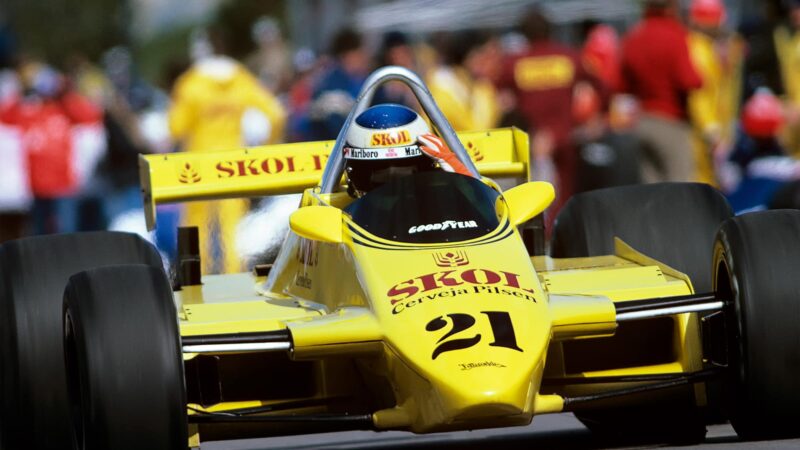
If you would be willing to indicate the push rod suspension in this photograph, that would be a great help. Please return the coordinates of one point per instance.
(666, 306)
(279, 340)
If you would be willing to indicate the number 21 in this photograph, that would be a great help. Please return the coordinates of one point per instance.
(500, 321)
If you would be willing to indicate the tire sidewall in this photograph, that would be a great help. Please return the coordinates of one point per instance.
(146, 389)
(751, 257)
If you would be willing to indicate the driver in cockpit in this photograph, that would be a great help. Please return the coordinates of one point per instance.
(387, 141)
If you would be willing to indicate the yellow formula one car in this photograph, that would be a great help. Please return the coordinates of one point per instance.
(655, 311)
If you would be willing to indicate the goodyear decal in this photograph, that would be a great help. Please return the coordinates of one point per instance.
(442, 226)
(504, 231)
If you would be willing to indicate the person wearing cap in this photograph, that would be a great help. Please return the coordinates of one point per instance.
(758, 168)
(717, 56)
(772, 59)
(601, 55)
(657, 69)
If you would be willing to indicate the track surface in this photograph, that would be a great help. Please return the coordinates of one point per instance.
(561, 431)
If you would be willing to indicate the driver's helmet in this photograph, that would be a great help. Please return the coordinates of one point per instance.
(381, 144)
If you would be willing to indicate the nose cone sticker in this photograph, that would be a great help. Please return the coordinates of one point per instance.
(451, 259)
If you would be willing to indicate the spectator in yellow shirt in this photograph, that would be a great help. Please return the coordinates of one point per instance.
(218, 105)
(712, 108)
(462, 85)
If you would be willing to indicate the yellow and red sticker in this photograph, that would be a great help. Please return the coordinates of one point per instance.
(456, 282)
(392, 138)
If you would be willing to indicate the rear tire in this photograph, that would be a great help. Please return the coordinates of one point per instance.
(33, 272)
(124, 364)
(674, 223)
(755, 262)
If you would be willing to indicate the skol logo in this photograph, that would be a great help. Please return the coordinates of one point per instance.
(189, 175)
(451, 259)
(401, 137)
(474, 152)
(451, 279)
(270, 166)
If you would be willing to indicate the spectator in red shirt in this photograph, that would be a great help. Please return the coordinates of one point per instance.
(45, 115)
(601, 55)
(542, 79)
(657, 69)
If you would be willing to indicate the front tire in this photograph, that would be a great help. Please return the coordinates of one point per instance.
(33, 272)
(755, 262)
(124, 365)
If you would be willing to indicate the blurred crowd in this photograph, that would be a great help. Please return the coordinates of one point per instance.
(683, 94)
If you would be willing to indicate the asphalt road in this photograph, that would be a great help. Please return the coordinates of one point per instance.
(561, 431)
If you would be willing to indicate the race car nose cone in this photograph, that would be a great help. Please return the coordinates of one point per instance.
(495, 412)
(486, 395)
(480, 390)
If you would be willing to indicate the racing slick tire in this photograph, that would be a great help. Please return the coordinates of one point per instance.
(755, 261)
(124, 365)
(33, 273)
(674, 223)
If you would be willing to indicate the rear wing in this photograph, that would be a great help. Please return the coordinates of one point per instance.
(292, 168)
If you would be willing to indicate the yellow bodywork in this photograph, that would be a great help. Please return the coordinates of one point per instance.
(286, 168)
(459, 335)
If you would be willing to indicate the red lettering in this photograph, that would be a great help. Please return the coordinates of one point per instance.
(484, 278)
(512, 279)
(290, 164)
(408, 291)
(318, 161)
(246, 166)
(224, 167)
(278, 165)
(431, 281)
(470, 276)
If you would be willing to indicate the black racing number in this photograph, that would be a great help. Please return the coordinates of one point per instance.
(460, 323)
(500, 321)
(503, 330)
